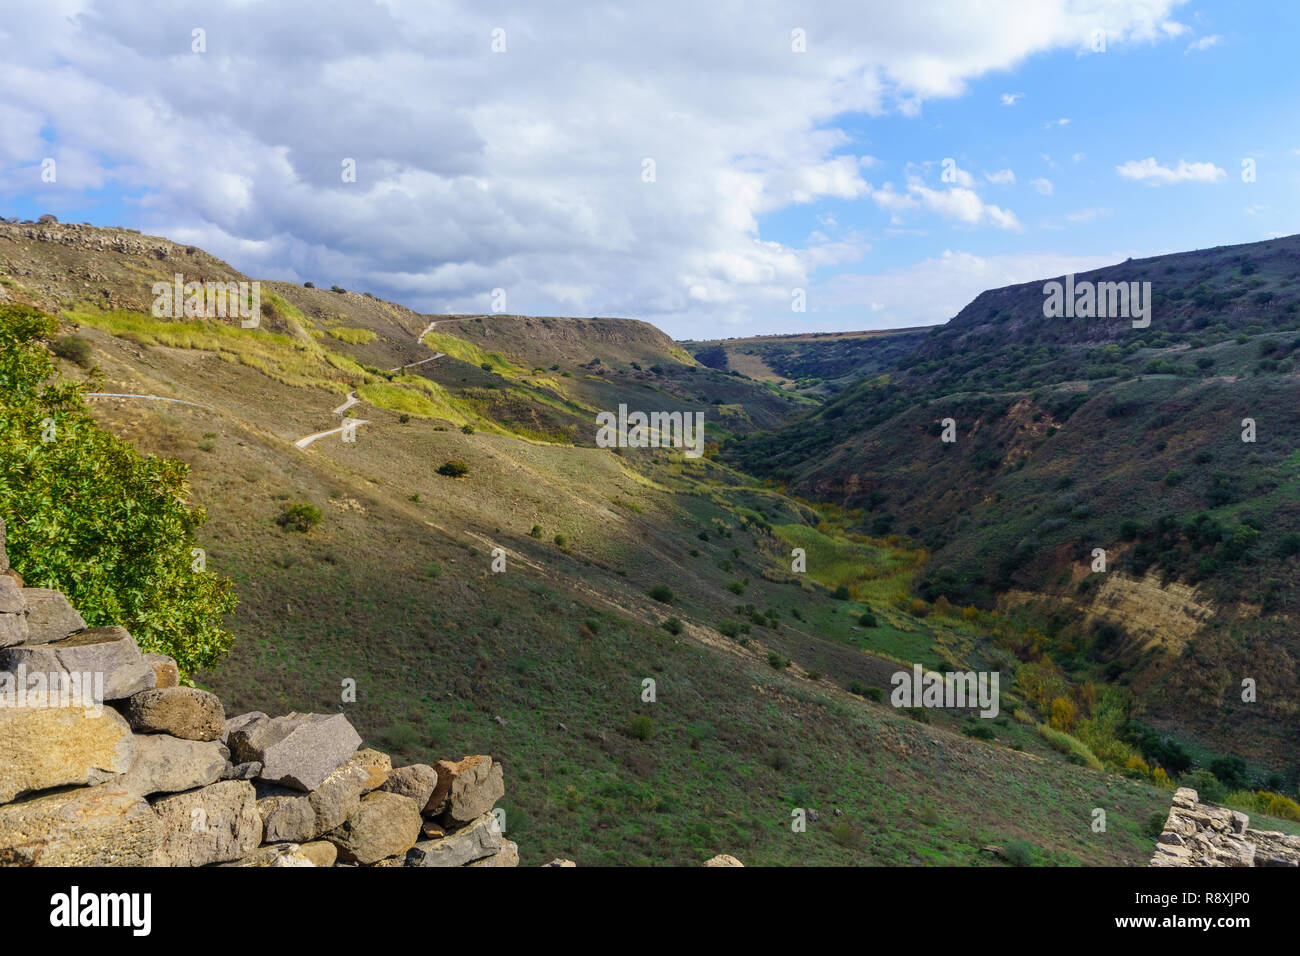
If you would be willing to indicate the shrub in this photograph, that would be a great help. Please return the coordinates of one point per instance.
(640, 727)
(485, 366)
(672, 625)
(404, 418)
(467, 429)
(561, 541)
(776, 661)
(89, 516)
(736, 587)
(1019, 853)
(841, 593)
(454, 469)
(309, 285)
(868, 620)
(535, 532)
(662, 593)
(1155, 825)
(73, 348)
(299, 517)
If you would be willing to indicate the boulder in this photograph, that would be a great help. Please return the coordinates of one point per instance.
(383, 825)
(110, 651)
(482, 838)
(508, 855)
(281, 854)
(287, 816)
(377, 766)
(466, 789)
(49, 616)
(167, 764)
(336, 799)
(417, 781)
(559, 862)
(13, 613)
(297, 750)
(95, 826)
(241, 720)
(241, 771)
(320, 852)
(44, 747)
(185, 712)
(165, 671)
(722, 859)
(215, 824)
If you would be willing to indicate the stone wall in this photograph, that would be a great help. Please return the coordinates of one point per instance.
(1197, 834)
(156, 774)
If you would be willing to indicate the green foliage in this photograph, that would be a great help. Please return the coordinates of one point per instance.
(454, 469)
(662, 593)
(467, 429)
(90, 516)
(1155, 825)
(672, 625)
(640, 727)
(535, 532)
(299, 517)
(73, 348)
(1019, 853)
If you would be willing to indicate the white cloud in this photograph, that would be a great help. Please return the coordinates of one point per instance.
(1051, 124)
(1009, 99)
(1148, 170)
(1044, 186)
(478, 170)
(1203, 43)
(1003, 177)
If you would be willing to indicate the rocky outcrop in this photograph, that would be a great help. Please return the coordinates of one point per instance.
(106, 761)
(1198, 834)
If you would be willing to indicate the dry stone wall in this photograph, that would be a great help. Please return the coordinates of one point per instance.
(106, 761)
(1198, 834)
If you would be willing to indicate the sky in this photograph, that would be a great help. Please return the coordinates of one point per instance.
(718, 169)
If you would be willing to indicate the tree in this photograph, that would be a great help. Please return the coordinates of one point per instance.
(90, 516)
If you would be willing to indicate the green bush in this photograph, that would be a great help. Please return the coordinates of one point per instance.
(672, 625)
(1155, 825)
(73, 348)
(776, 661)
(535, 532)
(467, 429)
(868, 620)
(640, 727)
(88, 515)
(662, 593)
(454, 469)
(299, 517)
(1019, 853)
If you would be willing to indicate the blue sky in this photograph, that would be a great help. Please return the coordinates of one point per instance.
(776, 169)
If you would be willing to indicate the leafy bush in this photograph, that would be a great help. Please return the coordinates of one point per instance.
(535, 532)
(1155, 825)
(776, 661)
(868, 620)
(1019, 853)
(662, 593)
(640, 727)
(467, 429)
(89, 516)
(454, 469)
(73, 348)
(299, 517)
(672, 625)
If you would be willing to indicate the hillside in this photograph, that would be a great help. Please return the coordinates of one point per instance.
(770, 689)
(1085, 433)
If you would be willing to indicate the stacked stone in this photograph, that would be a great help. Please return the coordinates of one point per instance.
(158, 776)
(1197, 834)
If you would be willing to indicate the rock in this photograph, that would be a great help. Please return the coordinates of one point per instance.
(242, 720)
(417, 781)
(107, 650)
(287, 817)
(431, 831)
(185, 712)
(480, 839)
(336, 799)
(559, 862)
(377, 766)
(44, 747)
(166, 764)
(508, 855)
(723, 859)
(320, 852)
(165, 671)
(1198, 834)
(13, 613)
(384, 825)
(280, 854)
(297, 750)
(241, 771)
(11, 573)
(49, 616)
(96, 826)
(216, 824)
(466, 789)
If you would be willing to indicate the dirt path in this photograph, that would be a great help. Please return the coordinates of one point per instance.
(304, 442)
(155, 398)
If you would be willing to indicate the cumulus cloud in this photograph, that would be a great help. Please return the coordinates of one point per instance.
(1202, 43)
(1149, 171)
(1003, 177)
(523, 169)
(1010, 99)
(1044, 186)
